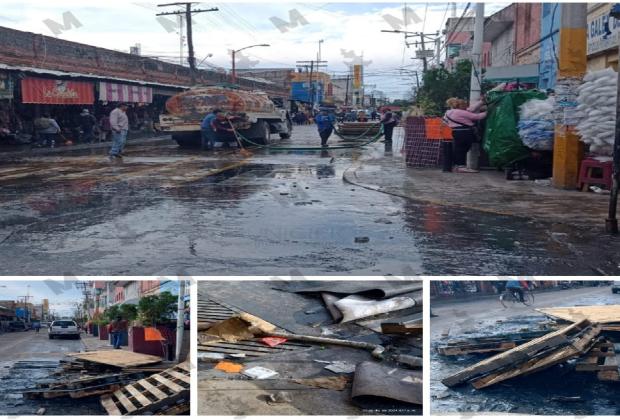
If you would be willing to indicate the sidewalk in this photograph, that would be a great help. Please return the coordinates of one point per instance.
(487, 191)
(94, 343)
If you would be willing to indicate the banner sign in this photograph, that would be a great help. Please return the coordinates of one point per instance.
(603, 33)
(62, 92)
(117, 92)
(6, 86)
(357, 76)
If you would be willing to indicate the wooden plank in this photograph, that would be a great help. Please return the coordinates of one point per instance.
(597, 313)
(108, 404)
(549, 358)
(168, 383)
(179, 375)
(138, 395)
(608, 376)
(152, 389)
(516, 355)
(118, 358)
(124, 401)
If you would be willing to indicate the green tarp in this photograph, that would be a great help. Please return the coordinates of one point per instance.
(501, 136)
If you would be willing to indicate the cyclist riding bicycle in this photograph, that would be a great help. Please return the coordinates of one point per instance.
(516, 287)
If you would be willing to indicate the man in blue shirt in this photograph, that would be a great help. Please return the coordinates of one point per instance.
(325, 124)
(515, 287)
(208, 135)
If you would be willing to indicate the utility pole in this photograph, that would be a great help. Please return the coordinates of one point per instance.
(476, 73)
(572, 65)
(181, 39)
(611, 224)
(190, 40)
(180, 321)
(346, 91)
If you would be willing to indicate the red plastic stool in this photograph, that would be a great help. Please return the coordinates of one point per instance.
(585, 174)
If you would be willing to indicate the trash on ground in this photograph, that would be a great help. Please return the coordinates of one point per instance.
(259, 372)
(229, 367)
(328, 382)
(341, 367)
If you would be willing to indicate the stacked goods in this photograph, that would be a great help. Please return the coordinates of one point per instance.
(597, 104)
(536, 125)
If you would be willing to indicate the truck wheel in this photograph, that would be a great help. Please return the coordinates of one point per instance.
(265, 132)
(289, 131)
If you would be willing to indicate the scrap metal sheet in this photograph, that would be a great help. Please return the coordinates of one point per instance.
(376, 380)
(372, 289)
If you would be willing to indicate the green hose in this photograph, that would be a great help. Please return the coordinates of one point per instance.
(265, 146)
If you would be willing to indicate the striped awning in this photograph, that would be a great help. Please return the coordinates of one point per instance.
(118, 92)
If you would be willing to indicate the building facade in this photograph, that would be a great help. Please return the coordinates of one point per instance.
(603, 37)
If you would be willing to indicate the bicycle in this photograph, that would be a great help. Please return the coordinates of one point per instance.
(509, 298)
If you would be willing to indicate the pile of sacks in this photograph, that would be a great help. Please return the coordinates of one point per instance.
(597, 106)
(536, 123)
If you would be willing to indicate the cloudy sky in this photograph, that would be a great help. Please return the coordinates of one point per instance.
(348, 30)
(62, 295)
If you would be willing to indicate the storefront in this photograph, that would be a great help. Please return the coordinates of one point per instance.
(28, 93)
(603, 37)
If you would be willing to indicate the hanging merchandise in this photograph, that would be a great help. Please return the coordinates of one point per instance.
(597, 106)
(536, 124)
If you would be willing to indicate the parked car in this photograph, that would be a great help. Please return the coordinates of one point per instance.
(64, 328)
(615, 287)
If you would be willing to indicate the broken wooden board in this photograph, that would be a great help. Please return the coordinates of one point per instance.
(520, 357)
(410, 327)
(161, 393)
(118, 358)
(580, 344)
(488, 344)
(601, 314)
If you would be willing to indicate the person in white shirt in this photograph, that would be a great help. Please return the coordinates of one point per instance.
(120, 125)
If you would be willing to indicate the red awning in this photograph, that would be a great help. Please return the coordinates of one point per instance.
(51, 91)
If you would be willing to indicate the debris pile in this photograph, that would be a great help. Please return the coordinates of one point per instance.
(385, 324)
(587, 344)
(124, 380)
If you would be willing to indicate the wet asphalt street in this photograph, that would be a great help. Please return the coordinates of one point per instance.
(167, 211)
(28, 359)
(534, 394)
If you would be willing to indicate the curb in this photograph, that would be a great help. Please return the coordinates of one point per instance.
(59, 150)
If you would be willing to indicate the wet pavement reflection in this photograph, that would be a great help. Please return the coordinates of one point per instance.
(165, 210)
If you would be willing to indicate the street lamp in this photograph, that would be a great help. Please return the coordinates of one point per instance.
(234, 74)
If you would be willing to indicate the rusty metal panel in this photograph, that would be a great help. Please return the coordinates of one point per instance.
(197, 103)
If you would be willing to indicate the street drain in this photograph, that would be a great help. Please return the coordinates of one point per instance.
(210, 311)
(251, 348)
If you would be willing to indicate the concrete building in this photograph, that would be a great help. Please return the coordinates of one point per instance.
(527, 33)
(458, 42)
(499, 31)
(603, 37)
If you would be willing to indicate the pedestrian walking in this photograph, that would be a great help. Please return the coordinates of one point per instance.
(47, 129)
(389, 121)
(325, 124)
(462, 120)
(119, 123)
(116, 330)
(87, 126)
(104, 128)
(206, 129)
(36, 325)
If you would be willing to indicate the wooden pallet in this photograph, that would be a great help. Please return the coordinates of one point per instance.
(604, 359)
(491, 344)
(162, 392)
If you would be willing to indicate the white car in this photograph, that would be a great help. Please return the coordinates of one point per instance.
(64, 328)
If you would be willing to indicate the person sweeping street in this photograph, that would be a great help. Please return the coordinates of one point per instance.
(325, 123)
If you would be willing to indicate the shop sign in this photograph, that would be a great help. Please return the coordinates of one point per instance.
(6, 86)
(117, 92)
(357, 76)
(603, 33)
(60, 92)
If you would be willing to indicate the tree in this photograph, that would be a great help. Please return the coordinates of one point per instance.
(439, 84)
(156, 309)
